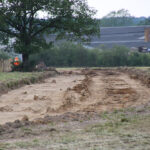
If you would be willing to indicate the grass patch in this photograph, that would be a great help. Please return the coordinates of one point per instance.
(4, 146)
(117, 131)
(16, 76)
(107, 128)
(11, 80)
(143, 68)
(27, 144)
(26, 130)
(69, 138)
(118, 121)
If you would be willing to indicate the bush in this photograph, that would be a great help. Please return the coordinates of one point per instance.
(76, 55)
(4, 55)
(66, 55)
(117, 56)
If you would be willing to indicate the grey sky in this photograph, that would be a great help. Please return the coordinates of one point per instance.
(136, 8)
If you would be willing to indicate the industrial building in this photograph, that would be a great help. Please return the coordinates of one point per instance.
(131, 36)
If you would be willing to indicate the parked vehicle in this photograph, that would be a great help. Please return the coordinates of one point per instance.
(143, 49)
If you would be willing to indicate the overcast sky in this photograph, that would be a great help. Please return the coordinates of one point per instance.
(136, 8)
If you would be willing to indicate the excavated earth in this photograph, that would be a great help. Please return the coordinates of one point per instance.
(78, 92)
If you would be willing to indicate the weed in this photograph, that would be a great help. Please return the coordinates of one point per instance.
(104, 115)
(36, 141)
(26, 130)
(26, 144)
(51, 124)
(124, 120)
(3, 146)
(68, 139)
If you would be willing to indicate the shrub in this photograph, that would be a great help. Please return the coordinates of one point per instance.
(4, 55)
(75, 55)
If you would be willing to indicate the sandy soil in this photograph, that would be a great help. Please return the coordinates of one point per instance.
(73, 91)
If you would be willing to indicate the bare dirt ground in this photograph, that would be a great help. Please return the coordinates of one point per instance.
(79, 109)
(78, 91)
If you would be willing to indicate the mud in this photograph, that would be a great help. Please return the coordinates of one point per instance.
(137, 74)
(72, 93)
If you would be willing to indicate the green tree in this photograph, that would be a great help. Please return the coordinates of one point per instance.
(19, 19)
(117, 18)
(145, 22)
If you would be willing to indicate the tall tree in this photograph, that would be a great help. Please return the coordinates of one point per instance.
(19, 19)
(121, 17)
(145, 22)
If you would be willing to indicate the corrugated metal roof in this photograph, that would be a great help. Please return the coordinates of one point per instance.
(127, 36)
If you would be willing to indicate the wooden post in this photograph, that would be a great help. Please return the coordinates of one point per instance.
(5, 65)
(147, 35)
(1, 69)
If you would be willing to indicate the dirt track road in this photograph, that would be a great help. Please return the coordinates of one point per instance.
(77, 91)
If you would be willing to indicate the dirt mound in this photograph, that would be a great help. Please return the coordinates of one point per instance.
(143, 76)
(6, 109)
(42, 67)
(83, 86)
(120, 91)
(68, 72)
(89, 72)
(110, 73)
(72, 96)
(10, 128)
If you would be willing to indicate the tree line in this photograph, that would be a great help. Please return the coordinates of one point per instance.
(75, 55)
(122, 17)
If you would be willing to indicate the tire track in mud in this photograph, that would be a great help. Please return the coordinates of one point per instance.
(119, 91)
(103, 90)
(109, 90)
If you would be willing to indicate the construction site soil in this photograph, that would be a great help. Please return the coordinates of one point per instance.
(73, 94)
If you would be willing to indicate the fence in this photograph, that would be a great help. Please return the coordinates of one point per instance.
(5, 65)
